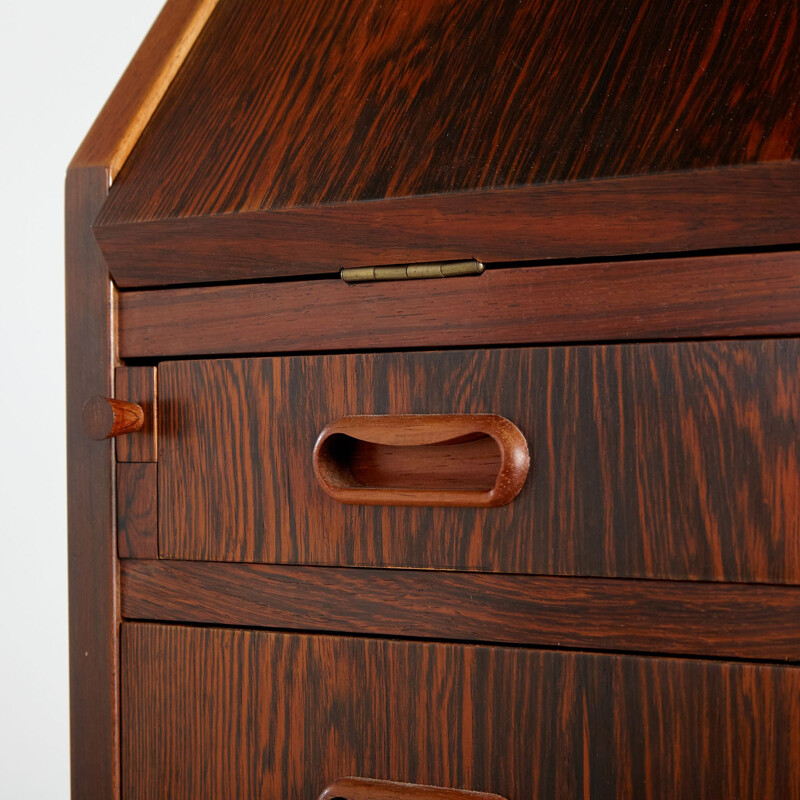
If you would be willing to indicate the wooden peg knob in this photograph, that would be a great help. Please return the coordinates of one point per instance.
(104, 417)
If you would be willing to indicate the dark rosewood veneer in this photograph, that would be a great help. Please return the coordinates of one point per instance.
(516, 517)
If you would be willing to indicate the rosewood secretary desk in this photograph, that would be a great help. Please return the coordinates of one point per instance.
(433, 404)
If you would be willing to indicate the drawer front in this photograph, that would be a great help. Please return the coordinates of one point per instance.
(210, 713)
(676, 460)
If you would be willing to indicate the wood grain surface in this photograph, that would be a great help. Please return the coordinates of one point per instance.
(757, 294)
(138, 385)
(137, 510)
(730, 620)
(93, 595)
(270, 715)
(674, 460)
(139, 91)
(753, 205)
(300, 103)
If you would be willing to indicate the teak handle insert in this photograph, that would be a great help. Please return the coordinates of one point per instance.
(430, 448)
(368, 789)
(105, 417)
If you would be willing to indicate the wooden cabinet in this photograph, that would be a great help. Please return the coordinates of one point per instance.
(531, 532)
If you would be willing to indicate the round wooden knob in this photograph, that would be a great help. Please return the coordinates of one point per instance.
(104, 417)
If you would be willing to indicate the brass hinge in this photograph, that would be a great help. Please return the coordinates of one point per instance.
(449, 269)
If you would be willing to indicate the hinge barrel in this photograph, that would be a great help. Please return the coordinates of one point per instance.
(447, 269)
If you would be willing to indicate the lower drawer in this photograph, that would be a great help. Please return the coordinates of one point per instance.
(213, 713)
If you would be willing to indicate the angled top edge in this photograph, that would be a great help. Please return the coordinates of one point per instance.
(299, 104)
(142, 86)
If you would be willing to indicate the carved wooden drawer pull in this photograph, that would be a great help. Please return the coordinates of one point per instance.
(105, 417)
(368, 789)
(476, 460)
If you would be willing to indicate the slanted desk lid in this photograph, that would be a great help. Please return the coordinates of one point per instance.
(300, 137)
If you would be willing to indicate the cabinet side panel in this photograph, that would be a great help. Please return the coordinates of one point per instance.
(93, 607)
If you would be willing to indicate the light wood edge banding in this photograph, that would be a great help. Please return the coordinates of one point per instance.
(143, 84)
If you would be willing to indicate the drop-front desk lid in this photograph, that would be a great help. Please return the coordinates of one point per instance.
(301, 137)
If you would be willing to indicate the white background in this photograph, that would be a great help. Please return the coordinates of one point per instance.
(59, 61)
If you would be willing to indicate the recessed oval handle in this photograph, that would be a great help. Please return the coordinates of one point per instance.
(369, 789)
(477, 460)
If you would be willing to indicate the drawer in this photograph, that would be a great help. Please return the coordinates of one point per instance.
(671, 460)
(210, 713)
